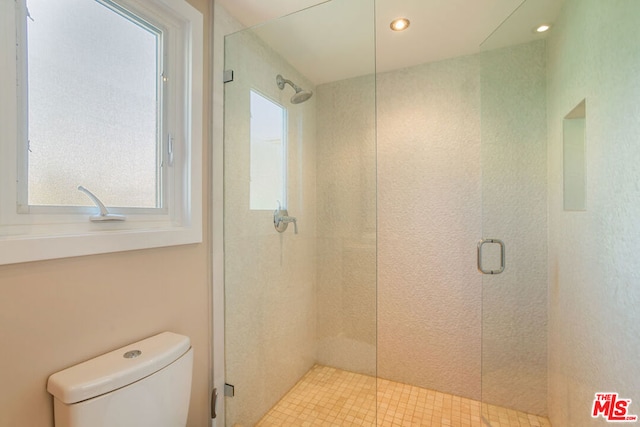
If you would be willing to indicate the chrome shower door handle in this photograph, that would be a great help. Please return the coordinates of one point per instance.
(502, 256)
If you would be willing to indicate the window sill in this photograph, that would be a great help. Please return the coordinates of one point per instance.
(43, 245)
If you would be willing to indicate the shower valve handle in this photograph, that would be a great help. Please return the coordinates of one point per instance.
(281, 220)
(288, 219)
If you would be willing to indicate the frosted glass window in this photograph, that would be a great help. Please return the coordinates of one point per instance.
(268, 154)
(93, 105)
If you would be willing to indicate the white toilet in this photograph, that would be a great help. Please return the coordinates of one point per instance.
(145, 384)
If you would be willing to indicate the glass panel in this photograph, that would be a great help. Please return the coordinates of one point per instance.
(514, 210)
(268, 146)
(429, 292)
(93, 106)
(301, 308)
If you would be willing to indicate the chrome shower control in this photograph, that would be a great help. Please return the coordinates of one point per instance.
(281, 220)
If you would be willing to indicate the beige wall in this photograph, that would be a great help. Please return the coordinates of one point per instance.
(54, 314)
(594, 292)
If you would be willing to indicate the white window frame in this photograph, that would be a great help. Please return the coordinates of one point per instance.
(29, 233)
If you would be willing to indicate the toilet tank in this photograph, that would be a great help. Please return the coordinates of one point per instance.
(144, 384)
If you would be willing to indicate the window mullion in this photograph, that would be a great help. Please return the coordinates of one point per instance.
(22, 140)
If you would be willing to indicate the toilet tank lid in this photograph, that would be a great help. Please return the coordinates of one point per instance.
(113, 370)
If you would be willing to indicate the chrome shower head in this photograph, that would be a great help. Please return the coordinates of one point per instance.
(300, 96)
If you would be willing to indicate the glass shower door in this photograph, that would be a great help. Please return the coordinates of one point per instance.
(513, 254)
(300, 219)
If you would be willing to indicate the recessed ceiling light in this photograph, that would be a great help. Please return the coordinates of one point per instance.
(400, 24)
(543, 28)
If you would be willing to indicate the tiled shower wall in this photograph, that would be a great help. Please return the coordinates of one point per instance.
(594, 295)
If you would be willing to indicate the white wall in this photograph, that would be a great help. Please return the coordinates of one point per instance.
(594, 269)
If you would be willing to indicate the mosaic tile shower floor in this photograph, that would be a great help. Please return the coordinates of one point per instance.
(332, 397)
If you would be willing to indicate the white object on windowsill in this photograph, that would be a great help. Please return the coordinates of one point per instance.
(104, 212)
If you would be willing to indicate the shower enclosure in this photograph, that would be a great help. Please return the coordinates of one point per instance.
(362, 203)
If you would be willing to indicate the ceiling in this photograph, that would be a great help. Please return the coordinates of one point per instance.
(334, 40)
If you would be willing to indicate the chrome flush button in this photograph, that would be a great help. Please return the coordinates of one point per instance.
(132, 354)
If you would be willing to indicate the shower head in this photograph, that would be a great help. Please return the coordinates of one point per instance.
(300, 96)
